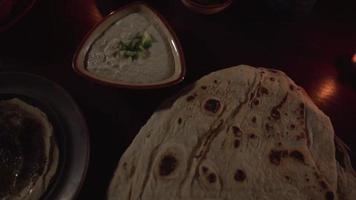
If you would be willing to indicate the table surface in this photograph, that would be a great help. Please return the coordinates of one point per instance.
(313, 50)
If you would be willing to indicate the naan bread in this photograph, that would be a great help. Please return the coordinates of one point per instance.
(239, 133)
(28, 151)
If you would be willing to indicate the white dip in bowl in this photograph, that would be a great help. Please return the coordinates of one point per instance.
(131, 50)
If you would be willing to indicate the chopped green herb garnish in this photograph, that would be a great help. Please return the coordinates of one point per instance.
(136, 47)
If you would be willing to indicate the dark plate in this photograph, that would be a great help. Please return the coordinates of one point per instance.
(69, 127)
(15, 12)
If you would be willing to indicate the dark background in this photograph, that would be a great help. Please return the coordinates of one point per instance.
(313, 49)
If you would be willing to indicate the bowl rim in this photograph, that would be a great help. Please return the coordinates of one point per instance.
(208, 6)
(206, 9)
(14, 20)
(78, 68)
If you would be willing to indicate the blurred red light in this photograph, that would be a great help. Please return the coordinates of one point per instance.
(354, 58)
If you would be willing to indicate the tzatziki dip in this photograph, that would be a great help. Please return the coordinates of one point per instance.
(131, 50)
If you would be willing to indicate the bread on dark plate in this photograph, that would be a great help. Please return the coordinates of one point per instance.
(28, 151)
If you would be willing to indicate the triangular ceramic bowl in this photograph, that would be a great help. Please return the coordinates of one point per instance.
(172, 44)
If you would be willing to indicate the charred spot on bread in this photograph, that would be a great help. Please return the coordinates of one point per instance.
(275, 156)
(256, 102)
(190, 98)
(275, 114)
(253, 119)
(252, 136)
(212, 105)
(167, 165)
(297, 155)
(264, 90)
(236, 143)
(275, 110)
(205, 169)
(211, 178)
(236, 131)
(239, 175)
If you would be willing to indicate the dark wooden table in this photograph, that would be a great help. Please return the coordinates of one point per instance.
(313, 50)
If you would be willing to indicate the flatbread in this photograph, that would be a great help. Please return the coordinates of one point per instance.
(238, 133)
(28, 151)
